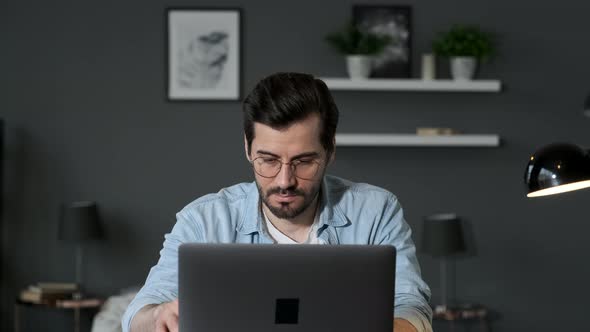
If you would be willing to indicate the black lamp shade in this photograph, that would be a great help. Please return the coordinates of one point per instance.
(443, 235)
(556, 168)
(79, 222)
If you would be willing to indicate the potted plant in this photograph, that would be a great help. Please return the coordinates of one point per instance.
(465, 46)
(359, 47)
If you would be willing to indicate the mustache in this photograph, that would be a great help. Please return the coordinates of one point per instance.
(285, 191)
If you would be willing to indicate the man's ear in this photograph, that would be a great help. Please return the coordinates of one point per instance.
(246, 148)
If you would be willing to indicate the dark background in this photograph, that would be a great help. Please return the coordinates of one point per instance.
(83, 98)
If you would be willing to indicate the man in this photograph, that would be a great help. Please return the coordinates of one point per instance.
(290, 122)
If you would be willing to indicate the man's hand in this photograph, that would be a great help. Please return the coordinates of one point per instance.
(157, 318)
(166, 317)
(402, 325)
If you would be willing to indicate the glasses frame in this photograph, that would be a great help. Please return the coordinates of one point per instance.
(293, 167)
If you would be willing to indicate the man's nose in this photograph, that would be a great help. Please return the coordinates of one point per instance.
(286, 177)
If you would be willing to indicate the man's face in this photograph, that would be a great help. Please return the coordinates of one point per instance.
(286, 195)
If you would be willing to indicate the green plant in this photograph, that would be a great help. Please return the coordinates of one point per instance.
(352, 40)
(464, 40)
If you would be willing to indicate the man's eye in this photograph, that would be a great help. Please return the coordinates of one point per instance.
(269, 160)
(304, 161)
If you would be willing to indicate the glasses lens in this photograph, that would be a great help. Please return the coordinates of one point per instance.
(306, 169)
(267, 167)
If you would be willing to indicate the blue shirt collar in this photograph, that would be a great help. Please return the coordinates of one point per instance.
(252, 219)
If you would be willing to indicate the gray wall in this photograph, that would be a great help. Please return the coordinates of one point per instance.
(83, 98)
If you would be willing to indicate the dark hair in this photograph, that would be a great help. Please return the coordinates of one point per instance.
(282, 99)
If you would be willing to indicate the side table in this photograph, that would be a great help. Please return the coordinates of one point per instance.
(76, 305)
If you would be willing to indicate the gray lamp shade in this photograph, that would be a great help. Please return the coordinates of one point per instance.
(442, 235)
(79, 222)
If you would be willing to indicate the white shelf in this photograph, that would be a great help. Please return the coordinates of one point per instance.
(416, 140)
(376, 84)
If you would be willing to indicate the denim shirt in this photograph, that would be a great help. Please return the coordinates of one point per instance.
(350, 213)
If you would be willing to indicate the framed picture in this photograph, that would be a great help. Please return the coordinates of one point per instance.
(393, 21)
(204, 54)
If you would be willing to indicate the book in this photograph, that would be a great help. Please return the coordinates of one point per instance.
(41, 290)
(37, 297)
(57, 286)
(435, 131)
(83, 303)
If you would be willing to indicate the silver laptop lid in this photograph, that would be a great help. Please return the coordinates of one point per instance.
(263, 288)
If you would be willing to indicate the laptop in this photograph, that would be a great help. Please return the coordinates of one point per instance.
(286, 288)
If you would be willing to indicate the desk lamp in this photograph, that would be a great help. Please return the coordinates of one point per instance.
(78, 224)
(557, 168)
(443, 238)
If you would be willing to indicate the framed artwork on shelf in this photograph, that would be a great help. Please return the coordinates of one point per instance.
(395, 22)
(204, 53)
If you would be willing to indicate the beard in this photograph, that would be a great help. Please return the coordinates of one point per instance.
(285, 210)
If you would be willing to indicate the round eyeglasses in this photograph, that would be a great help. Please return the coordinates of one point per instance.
(305, 169)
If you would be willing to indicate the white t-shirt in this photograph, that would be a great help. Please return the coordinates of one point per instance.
(281, 238)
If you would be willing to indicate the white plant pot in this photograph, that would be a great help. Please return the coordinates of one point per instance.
(463, 67)
(358, 66)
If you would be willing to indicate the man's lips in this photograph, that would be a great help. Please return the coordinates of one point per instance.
(285, 198)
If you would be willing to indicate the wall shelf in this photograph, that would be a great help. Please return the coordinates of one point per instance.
(417, 140)
(375, 84)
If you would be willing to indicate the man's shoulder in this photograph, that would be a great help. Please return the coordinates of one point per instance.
(349, 190)
(368, 211)
(216, 217)
(224, 198)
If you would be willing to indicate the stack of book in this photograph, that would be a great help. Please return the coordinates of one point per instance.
(48, 292)
(435, 131)
(460, 312)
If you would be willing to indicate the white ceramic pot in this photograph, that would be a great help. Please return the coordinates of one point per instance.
(463, 67)
(358, 66)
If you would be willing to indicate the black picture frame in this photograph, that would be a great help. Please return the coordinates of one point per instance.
(203, 54)
(396, 22)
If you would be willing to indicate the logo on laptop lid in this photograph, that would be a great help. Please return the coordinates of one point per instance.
(287, 311)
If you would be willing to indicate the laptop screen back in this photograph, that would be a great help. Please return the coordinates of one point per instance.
(252, 287)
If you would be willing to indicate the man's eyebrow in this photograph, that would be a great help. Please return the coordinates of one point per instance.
(267, 153)
(305, 155)
(299, 156)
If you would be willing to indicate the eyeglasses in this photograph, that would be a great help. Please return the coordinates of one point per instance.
(305, 169)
